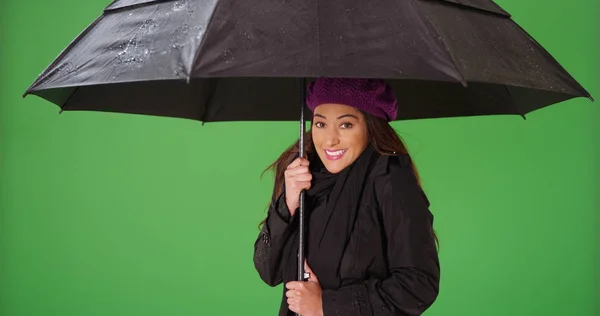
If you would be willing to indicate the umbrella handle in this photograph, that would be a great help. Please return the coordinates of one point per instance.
(302, 276)
(302, 228)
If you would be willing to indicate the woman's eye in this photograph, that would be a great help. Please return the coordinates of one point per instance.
(346, 125)
(319, 124)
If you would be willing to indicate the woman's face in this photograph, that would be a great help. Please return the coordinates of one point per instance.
(339, 134)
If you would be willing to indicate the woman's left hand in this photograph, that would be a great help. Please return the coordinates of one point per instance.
(304, 298)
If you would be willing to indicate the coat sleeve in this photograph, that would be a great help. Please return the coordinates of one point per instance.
(269, 245)
(413, 280)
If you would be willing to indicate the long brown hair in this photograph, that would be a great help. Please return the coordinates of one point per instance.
(382, 136)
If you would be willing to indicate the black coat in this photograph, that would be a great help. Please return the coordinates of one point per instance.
(390, 266)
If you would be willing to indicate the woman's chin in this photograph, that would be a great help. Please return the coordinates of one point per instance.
(335, 166)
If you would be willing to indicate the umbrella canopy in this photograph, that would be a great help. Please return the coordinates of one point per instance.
(225, 60)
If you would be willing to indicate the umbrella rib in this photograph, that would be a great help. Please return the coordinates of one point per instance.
(128, 45)
(63, 107)
(463, 81)
(44, 75)
(197, 54)
(578, 87)
(512, 101)
(211, 93)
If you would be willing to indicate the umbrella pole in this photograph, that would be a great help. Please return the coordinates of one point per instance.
(302, 228)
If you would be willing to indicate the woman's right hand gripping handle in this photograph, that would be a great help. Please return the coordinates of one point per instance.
(269, 246)
(297, 178)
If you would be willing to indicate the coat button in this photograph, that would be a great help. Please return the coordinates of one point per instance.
(265, 238)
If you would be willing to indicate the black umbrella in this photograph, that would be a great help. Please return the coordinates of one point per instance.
(225, 60)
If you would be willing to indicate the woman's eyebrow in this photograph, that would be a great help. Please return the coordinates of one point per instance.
(347, 115)
(339, 117)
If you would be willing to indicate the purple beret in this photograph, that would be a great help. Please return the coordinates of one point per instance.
(373, 96)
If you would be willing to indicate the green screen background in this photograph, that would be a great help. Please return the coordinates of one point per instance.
(114, 214)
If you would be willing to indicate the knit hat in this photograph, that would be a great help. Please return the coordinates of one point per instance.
(373, 96)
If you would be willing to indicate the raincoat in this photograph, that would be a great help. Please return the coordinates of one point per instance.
(388, 263)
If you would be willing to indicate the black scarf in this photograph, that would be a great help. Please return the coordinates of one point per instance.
(333, 223)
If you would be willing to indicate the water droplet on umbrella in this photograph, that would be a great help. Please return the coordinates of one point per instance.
(148, 26)
(179, 5)
(62, 70)
(200, 29)
(180, 37)
(131, 60)
(248, 35)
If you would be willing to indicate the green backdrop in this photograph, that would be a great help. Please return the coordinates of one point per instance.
(113, 214)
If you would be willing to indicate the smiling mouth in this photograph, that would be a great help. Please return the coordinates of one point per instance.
(335, 154)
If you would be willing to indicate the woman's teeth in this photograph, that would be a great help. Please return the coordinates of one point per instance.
(336, 153)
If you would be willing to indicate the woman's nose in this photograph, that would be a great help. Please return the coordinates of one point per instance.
(333, 139)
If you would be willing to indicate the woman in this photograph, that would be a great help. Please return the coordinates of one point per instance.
(370, 245)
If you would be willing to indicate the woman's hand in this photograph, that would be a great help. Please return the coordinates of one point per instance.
(304, 298)
(297, 178)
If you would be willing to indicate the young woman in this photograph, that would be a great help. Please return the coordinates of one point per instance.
(370, 244)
